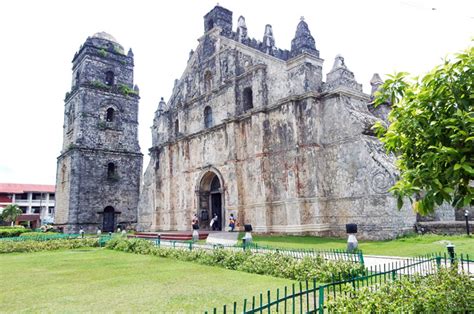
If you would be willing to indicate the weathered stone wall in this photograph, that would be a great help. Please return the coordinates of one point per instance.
(100, 130)
(63, 185)
(444, 227)
(301, 159)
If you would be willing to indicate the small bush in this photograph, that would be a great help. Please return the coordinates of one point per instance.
(13, 231)
(37, 234)
(443, 292)
(36, 246)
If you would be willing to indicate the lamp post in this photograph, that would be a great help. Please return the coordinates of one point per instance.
(352, 243)
(450, 248)
(466, 216)
(248, 235)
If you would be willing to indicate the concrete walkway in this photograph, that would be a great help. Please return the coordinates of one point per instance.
(222, 237)
(377, 260)
(390, 262)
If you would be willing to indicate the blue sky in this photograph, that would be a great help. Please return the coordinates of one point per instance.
(39, 39)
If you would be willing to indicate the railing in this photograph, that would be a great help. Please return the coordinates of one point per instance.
(331, 254)
(309, 297)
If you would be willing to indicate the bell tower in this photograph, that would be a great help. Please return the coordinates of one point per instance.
(220, 17)
(100, 165)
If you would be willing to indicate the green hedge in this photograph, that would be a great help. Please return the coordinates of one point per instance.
(6, 232)
(35, 246)
(37, 234)
(444, 292)
(273, 264)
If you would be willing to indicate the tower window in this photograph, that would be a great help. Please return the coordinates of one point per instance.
(109, 117)
(77, 79)
(109, 78)
(111, 171)
(208, 81)
(176, 127)
(247, 99)
(70, 118)
(208, 117)
(210, 24)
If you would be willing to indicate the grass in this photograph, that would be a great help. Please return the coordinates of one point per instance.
(411, 245)
(100, 280)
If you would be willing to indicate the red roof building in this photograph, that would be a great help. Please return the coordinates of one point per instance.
(31, 198)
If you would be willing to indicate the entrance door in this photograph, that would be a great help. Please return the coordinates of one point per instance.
(210, 201)
(216, 201)
(109, 219)
(216, 205)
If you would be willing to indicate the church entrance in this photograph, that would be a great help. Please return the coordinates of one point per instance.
(108, 224)
(210, 202)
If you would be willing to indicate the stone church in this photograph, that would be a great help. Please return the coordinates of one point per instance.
(253, 130)
(250, 130)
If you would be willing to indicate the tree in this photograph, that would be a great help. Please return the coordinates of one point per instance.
(431, 132)
(11, 213)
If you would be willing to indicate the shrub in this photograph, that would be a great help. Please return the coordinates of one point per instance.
(443, 292)
(126, 90)
(273, 264)
(37, 234)
(13, 231)
(35, 246)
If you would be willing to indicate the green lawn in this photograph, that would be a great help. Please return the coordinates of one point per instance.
(100, 280)
(413, 245)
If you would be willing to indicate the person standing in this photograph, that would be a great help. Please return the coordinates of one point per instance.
(231, 222)
(215, 222)
(195, 224)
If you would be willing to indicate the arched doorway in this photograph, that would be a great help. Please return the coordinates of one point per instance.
(211, 201)
(108, 224)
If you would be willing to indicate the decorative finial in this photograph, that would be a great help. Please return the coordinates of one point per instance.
(302, 18)
(268, 39)
(339, 63)
(217, 5)
(161, 105)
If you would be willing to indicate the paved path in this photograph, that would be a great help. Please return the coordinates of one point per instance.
(222, 237)
(397, 261)
(376, 260)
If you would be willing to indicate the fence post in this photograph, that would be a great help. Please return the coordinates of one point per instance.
(438, 262)
(321, 299)
(361, 258)
(394, 274)
(314, 294)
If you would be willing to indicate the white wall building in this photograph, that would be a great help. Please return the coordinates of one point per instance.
(31, 198)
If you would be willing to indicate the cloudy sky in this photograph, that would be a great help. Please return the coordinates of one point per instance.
(39, 38)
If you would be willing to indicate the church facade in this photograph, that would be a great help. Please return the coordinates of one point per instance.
(253, 130)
